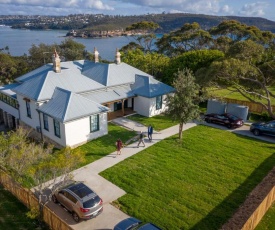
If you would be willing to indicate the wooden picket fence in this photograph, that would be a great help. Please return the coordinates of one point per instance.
(29, 200)
(253, 107)
(258, 214)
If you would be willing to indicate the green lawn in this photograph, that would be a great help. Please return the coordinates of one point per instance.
(13, 213)
(268, 221)
(194, 184)
(224, 93)
(158, 122)
(105, 145)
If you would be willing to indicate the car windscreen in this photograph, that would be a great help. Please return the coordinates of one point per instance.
(81, 190)
(92, 202)
(234, 118)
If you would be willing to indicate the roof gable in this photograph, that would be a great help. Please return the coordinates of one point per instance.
(32, 87)
(149, 87)
(65, 106)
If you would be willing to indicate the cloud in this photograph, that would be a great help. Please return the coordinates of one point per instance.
(78, 4)
(190, 6)
(253, 9)
(226, 9)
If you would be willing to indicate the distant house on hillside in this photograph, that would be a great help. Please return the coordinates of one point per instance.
(70, 103)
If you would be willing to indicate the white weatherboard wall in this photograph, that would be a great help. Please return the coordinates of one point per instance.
(129, 102)
(152, 110)
(9, 109)
(142, 105)
(34, 120)
(50, 134)
(78, 131)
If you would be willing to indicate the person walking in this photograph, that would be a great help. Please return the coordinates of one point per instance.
(141, 139)
(150, 132)
(119, 146)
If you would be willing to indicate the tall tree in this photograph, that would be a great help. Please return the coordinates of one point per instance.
(12, 67)
(193, 60)
(40, 55)
(247, 70)
(183, 105)
(237, 31)
(72, 50)
(151, 63)
(147, 36)
(68, 50)
(189, 37)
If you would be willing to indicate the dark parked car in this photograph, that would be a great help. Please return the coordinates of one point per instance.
(135, 224)
(80, 200)
(267, 128)
(226, 119)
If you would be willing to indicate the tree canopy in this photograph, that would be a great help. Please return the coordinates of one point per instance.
(246, 69)
(183, 105)
(193, 60)
(151, 63)
(189, 37)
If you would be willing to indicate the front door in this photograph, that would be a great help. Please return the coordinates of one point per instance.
(117, 106)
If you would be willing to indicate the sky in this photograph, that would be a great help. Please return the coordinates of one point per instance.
(251, 8)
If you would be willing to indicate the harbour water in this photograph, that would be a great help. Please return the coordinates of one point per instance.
(20, 41)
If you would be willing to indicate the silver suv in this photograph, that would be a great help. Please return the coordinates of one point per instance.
(80, 200)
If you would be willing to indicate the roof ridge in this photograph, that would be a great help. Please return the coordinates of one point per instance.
(68, 100)
(107, 75)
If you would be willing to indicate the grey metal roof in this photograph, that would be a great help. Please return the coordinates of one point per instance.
(33, 74)
(110, 94)
(65, 106)
(7, 89)
(149, 87)
(99, 82)
(41, 85)
(111, 74)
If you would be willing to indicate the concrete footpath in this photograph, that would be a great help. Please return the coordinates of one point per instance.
(106, 190)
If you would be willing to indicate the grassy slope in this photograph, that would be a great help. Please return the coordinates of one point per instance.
(194, 185)
(228, 94)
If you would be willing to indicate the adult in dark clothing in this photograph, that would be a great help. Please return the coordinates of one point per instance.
(141, 139)
(150, 132)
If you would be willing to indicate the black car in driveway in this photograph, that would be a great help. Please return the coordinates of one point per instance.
(132, 223)
(226, 119)
(267, 128)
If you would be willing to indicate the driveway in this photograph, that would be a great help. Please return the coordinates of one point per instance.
(110, 192)
(244, 131)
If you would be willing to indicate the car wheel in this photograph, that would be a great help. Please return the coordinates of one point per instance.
(75, 217)
(256, 132)
(208, 120)
(229, 126)
(54, 199)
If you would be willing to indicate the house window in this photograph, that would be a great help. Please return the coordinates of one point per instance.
(28, 109)
(158, 102)
(56, 125)
(45, 121)
(94, 123)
